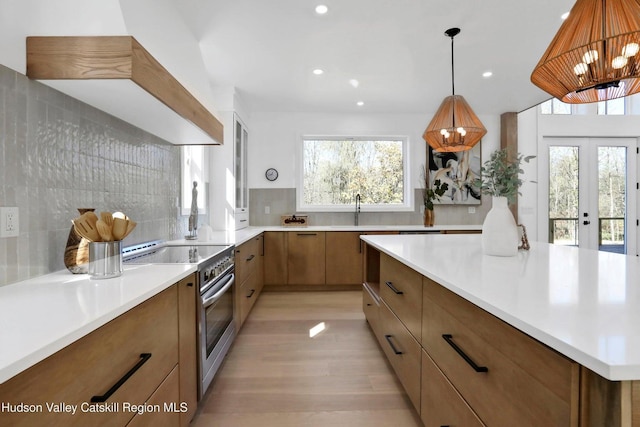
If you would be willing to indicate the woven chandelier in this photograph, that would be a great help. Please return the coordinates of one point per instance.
(595, 54)
(454, 127)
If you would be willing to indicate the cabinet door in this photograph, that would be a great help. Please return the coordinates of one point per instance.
(344, 258)
(241, 137)
(306, 258)
(188, 347)
(275, 258)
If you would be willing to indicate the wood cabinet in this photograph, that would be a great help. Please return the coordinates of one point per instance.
(275, 257)
(462, 363)
(143, 342)
(441, 404)
(401, 289)
(343, 258)
(454, 329)
(188, 348)
(306, 258)
(334, 259)
(249, 277)
(402, 350)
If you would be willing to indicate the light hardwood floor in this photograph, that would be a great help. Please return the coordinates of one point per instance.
(277, 375)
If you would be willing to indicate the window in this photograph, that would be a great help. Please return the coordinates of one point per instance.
(193, 169)
(613, 107)
(336, 169)
(555, 106)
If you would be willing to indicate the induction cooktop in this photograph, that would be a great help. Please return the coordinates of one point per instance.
(170, 254)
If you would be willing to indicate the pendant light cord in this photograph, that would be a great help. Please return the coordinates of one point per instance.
(453, 84)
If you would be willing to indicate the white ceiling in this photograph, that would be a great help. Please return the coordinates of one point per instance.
(396, 49)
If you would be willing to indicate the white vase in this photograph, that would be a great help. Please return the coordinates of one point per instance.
(499, 230)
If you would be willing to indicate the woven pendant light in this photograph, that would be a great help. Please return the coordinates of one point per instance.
(454, 127)
(595, 54)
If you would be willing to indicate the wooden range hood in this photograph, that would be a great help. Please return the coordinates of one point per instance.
(102, 58)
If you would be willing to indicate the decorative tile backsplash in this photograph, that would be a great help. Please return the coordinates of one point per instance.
(58, 154)
(282, 201)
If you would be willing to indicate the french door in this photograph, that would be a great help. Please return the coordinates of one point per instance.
(590, 198)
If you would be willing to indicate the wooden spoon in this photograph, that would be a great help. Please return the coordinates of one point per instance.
(107, 218)
(85, 226)
(104, 230)
(119, 228)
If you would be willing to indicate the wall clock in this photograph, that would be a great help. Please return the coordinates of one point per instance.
(271, 174)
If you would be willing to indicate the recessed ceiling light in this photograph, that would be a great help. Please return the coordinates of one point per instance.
(359, 103)
(564, 15)
(487, 74)
(318, 71)
(321, 9)
(354, 83)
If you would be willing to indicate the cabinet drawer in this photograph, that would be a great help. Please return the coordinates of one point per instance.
(247, 259)
(247, 296)
(403, 351)
(163, 407)
(401, 289)
(92, 365)
(530, 383)
(371, 309)
(441, 404)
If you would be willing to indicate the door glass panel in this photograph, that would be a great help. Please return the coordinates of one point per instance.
(612, 198)
(563, 195)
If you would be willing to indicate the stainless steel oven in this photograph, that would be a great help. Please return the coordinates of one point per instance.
(215, 316)
(215, 302)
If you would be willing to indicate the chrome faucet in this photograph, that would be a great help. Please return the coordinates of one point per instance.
(357, 212)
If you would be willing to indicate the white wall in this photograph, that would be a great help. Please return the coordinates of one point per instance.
(274, 137)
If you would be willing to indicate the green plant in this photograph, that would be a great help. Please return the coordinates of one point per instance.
(429, 194)
(500, 174)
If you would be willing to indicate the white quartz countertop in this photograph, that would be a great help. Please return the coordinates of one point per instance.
(583, 303)
(40, 316)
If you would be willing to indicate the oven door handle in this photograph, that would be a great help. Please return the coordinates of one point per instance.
(208, 299)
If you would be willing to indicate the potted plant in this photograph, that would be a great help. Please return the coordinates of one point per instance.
(500, 179)
(429, 194)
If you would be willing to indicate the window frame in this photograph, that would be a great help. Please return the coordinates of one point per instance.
(607, 106)
(553, 103)
(187, 176)
(408, 204)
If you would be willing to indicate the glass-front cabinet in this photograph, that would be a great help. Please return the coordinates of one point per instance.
(240, 138)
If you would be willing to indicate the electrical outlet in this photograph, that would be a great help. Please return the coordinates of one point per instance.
(9, 222)
(472, 210)
(267, 210)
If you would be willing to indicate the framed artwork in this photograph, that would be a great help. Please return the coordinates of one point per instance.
(459, 170)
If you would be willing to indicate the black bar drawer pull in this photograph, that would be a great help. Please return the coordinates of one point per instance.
(449, 339)
(306, 234)
(251, 293)
(250, 258)
(393, 288)
(393, 347)
(143, 359)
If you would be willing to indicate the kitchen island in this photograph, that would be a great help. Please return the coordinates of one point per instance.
(582, 304)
